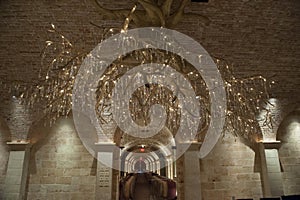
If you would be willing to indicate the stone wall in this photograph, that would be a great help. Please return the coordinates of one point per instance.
(4, 160)
(289, 153)
(259, 37)
(4, 153)
(60, 166)
(231, 169)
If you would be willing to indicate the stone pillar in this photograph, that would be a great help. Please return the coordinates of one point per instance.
(271, 170)
(153, 166)
(107, 178)
(170, 167)
(191, 173)
(174, 165)
(17, 170)
(192, 185)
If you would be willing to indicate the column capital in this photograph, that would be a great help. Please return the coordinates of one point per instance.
(181, 148)
(192, 146)
(271, 144)
(19, 146)
(105, 146)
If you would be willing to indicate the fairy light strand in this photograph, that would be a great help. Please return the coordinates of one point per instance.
(61, 60)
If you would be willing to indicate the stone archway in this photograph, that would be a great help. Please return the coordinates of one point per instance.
(289, 152)
(156, 162)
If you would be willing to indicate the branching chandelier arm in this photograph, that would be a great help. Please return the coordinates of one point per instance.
(156, 15)
(246, 96)
(61, 60)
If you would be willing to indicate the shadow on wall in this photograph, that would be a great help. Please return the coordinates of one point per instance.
(59, 163)
(38, 134)
(56, 140)
(253, 144)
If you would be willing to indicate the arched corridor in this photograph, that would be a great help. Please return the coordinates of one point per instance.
(146, 174)
(147, 186)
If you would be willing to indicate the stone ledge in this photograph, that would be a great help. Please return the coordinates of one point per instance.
(272, 144)
(19, 146)
(105, 147)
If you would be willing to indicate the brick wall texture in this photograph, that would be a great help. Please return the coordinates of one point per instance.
(258, 37)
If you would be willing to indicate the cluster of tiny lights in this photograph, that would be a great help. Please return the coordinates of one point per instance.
(61, 60)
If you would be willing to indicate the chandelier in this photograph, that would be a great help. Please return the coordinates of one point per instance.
(61, 61)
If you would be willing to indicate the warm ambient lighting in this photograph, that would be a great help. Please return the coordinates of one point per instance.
(19, 142)
(268, 141)
(245, 96)
(142, 148)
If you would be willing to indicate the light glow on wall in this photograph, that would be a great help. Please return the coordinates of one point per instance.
(293, 132)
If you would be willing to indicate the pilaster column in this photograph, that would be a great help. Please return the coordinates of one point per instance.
(17, 170)
(170, 167)
(271, 170)
(107, 179)
(191, 173)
